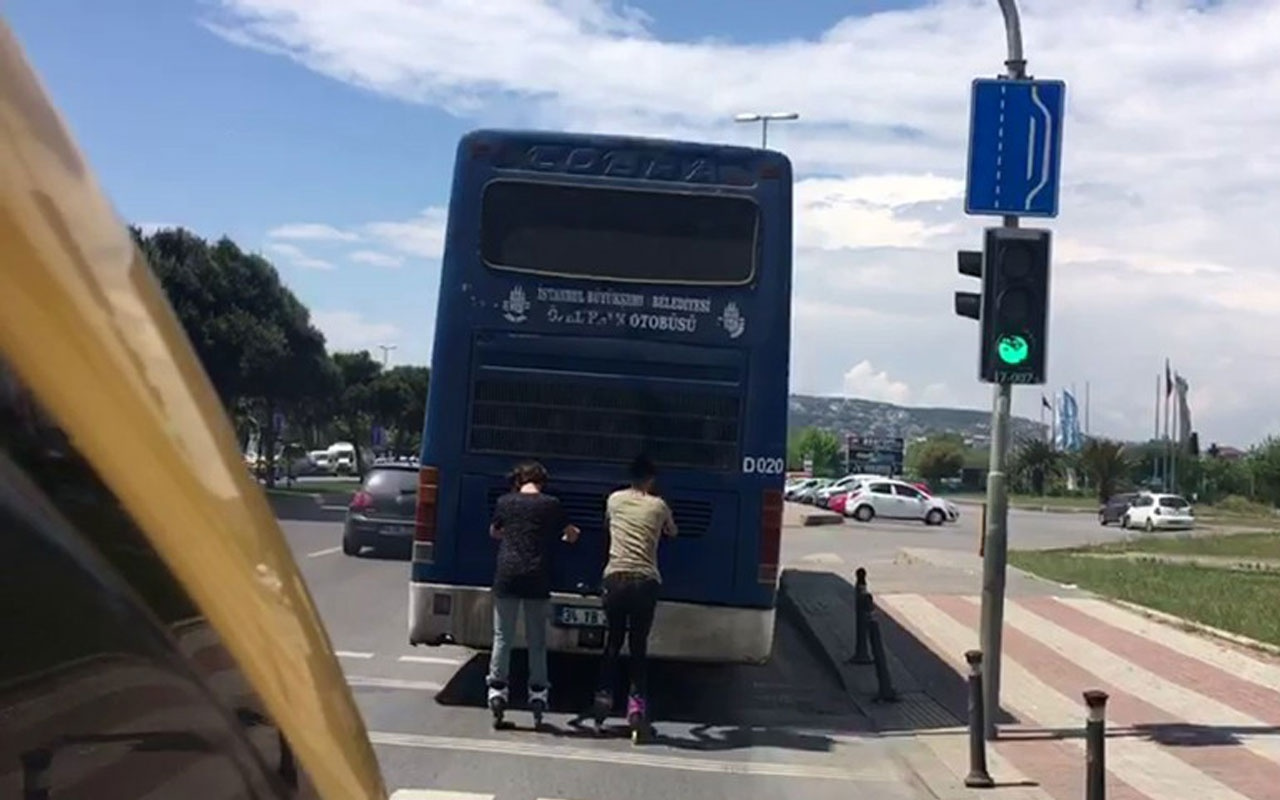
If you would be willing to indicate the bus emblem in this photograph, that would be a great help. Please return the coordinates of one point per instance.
(516, 307)
(732, 320)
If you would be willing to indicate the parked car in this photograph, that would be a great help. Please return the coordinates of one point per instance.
(809, 496)
(381, 513)
(1153, 512)
(795, 487)
(823, 497)
(1114, 508)
(894, 499)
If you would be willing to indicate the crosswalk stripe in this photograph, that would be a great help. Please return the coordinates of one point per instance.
(366, 682)
(857, 772)
(452, 662)
(1143, 765)
(437, 794)
(1207, 651)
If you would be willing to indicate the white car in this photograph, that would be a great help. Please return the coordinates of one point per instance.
(893, 499)
(822, 498)
(1159, 512)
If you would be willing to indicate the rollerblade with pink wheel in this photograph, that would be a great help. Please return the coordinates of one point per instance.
(638, 720)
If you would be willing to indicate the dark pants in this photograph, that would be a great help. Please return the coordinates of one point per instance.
(629, 600)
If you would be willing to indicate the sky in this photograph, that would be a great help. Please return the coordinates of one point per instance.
(321, 133)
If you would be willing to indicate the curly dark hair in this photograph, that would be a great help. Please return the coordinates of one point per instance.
(528, 472)
(642, 469)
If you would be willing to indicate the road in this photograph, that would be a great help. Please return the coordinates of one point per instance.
(784, 729)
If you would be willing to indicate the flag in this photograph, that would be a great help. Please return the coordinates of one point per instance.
(1068, 436)
(1168, 380)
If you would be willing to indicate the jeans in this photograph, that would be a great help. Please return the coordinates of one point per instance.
(505, 612)
(629, 601)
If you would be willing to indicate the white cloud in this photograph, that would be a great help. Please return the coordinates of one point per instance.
(311, 232)
(297, 256)
(1167, 240)
(348, 330)
(421, 236)
(375, 258)
(863, 380)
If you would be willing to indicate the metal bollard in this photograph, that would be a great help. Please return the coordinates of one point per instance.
(1095, 736)
(36, 765)
(861, 612)
(886, 692)
(288, 767)
(978, 777)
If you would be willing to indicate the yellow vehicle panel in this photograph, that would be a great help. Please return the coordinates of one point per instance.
(86, 327)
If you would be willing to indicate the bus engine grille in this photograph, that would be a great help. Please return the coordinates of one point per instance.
(525, 415)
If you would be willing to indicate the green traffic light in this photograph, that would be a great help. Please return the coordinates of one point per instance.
(1013, 349)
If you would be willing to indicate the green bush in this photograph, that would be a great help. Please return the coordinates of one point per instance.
(1235, 504)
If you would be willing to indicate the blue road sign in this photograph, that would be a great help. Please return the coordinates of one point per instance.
(1015, 147)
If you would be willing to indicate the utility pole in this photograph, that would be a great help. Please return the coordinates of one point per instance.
(764, 120)
(995, 554)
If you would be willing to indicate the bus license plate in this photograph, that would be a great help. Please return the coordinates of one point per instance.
(579, 617)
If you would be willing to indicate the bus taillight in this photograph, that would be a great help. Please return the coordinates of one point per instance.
(424, 526)
(770, 535)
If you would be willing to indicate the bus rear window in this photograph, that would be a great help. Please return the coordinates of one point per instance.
(619, 234)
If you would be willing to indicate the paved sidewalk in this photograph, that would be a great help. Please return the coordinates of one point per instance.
(1190, 717)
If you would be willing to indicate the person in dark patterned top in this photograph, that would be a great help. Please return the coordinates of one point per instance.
(527, 523)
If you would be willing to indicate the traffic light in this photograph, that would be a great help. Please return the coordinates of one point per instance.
(1015, 305)
(969, 304)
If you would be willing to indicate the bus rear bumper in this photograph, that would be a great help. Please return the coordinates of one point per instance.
(440, 614)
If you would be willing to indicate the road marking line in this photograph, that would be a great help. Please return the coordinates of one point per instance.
(351, 654)
(725, 767)
(328, 551)
(428, 660)
(333, 508)
(437, 794)
(362, 682)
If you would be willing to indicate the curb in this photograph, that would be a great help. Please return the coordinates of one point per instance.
(1198, 627)
(821, 518)
(305, 507)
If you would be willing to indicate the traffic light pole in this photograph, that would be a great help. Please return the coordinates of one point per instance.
(995, 553)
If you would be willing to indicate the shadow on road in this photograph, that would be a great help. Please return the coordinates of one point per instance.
(304, 507)
(931, 693)
(792, 702)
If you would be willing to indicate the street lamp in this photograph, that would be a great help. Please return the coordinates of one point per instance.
(764, 120)
(386, 351)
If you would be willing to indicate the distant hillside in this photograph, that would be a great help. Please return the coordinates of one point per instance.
(868, 417)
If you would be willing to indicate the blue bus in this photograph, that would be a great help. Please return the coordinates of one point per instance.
(603, 297)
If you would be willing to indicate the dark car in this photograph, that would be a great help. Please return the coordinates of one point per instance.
(1115, 507)
(381, 514)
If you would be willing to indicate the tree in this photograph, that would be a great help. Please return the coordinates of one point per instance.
(938, 457)
(253, 336)
(1105, 463)
(820, 445)
(399, 398)
(1034, 462)
(359, 372)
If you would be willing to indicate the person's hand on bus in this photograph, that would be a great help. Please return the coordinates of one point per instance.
(571, 533)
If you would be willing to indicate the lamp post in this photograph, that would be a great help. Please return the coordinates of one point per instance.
(764, 120)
